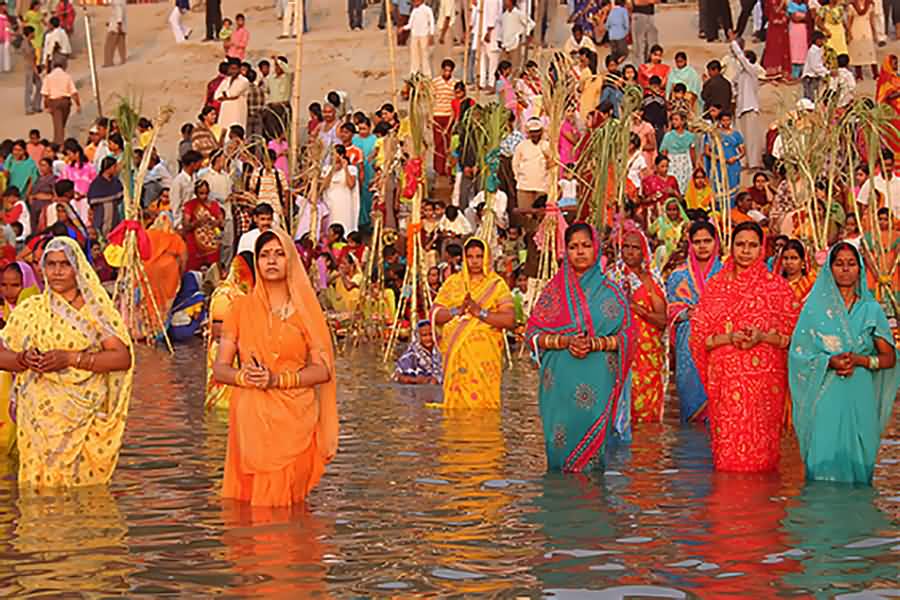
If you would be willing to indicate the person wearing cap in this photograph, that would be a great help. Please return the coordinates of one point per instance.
(530, 165)
(59, 93)
(278, 109)
(232, 96)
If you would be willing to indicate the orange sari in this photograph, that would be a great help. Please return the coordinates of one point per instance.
(168, 254)
(279, 441)
(889, 83)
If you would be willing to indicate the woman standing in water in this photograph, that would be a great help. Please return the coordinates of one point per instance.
(474, 307)
(283, 422)
(581, 331)
(843, 373)
(71, 354)
(648, 306)
(740, 332)
(683, 290)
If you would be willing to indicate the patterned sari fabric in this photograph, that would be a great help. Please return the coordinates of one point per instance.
(746, 388)
(683, 290)
(839, 420)
(417, 361)
(647, 386)
(578, 398)
(163, 269)
(472, 349)
(888, 85)
(70, 423)
(238, 283)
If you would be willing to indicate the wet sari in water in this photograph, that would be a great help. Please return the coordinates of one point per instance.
(746, 388)
(647, 390)
(839, 420)
(578, 398)
(472, 349)
(279, 440)
(684, 288)
(70, 423)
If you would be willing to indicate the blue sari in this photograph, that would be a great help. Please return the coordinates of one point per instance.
(839, 420)
(366, 145)
(683, 290)
(578, 398)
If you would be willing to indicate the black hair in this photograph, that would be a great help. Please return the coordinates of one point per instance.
(714, 65)
(12, 191)
(451, 212)
(248, 257)
(263, 208)
(747, 226)
(843, 246)
(205, 111)
(574, 228)
(63, 187)
(655, 48)
(338, 230)
(349, 127)
(818, 35)
(751, 57)
(382, 128)
(263, 63)
(660, 158)
(187, 129)
(116, 138)
(796, 246)
(107, 163)
(448, 63)
(264, 238)
(144, 123)
(72, 145)
(474, 243)
(316, 109)
(191, 157)
(454, 249)
(680, 55)
(223, 67)
(655, 80)
(334, 99)
(237, 130)
(843, 60)
(740, 196)
(698, 226)
(679, 88)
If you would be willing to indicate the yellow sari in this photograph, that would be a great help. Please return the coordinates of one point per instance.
(69, 423)
(472, 349)
(237, 284)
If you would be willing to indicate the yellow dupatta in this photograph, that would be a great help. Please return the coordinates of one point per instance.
(71, 422)
(472, 349)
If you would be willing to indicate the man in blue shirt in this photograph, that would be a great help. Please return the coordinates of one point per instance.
(618, 23)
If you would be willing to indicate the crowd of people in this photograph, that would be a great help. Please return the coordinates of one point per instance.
(706, 273)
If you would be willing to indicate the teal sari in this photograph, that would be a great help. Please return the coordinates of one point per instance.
(367, 174)
(839, 420)
(578, 398)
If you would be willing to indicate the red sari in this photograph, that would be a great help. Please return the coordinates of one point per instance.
(648, 70)
(777, 54)
(201, 252)
(746, 388)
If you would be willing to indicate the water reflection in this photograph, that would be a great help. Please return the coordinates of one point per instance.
(427, 504)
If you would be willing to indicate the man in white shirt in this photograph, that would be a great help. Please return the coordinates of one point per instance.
(486, 40)
(182, 189)
(578, 40)
(445, 20)
(421, 29)
(498, 204)
(56, 43)
(115, 35)
(746, 110)
(888, 188)
(529, 165)
(263, 218)
(515, 27)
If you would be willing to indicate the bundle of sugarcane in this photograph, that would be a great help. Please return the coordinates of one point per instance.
(872, 124)
(813, 152)
(487, 128)
(133, 295)
(414, 188)
(310, 183)
(718, 177)
(605, 157)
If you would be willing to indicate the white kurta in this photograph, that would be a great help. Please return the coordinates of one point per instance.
(233, 112)
(343, 201)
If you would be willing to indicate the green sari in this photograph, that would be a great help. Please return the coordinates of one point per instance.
(578, 398)
(839, 420)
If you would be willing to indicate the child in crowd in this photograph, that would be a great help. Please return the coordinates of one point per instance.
(679, 102)
(225, 33)
(568, 188)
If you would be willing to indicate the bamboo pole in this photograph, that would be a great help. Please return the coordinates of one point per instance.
(479, 54)
(294, 151)
(95, 80)
(392, 51)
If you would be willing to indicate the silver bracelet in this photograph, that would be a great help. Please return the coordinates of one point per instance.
(874, 363)
(454, 312)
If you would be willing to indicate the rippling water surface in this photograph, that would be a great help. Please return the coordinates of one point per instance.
(421, 504)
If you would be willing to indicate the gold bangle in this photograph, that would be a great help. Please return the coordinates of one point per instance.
(78, 360)
(874, 363)
(240, 379)
(92, 356)
(613, 344)
(299, 376)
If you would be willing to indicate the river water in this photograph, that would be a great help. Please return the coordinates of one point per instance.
(416, 504)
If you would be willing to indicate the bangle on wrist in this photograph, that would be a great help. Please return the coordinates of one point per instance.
(483, 314)
(874, 363)
(454, 312)
(78, 358)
